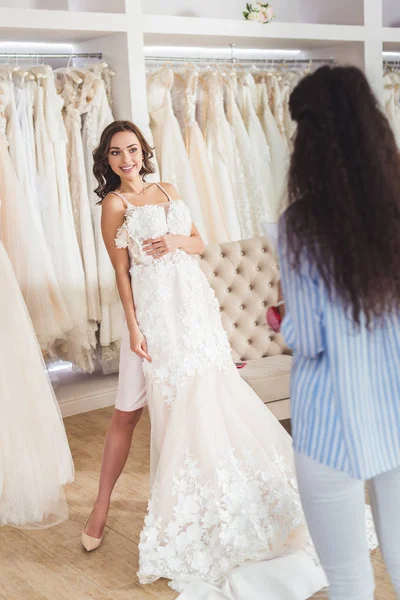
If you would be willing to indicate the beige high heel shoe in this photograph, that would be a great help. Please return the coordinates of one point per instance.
(88, 542)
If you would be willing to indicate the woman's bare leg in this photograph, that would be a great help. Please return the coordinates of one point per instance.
(116, 450)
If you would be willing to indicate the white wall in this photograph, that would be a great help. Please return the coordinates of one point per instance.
(110, 6)
(107, 6)
(391, 13)
(339, 12)
(44, 4)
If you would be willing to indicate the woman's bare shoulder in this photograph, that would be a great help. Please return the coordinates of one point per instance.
(170, 189)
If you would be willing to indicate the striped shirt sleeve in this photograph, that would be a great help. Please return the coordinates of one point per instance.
(302, 326)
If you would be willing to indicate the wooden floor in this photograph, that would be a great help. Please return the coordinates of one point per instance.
(51, 565)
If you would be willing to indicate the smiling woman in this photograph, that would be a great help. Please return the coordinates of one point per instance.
(130, 152)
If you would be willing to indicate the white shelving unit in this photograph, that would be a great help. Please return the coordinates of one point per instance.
(357, 44)
(120, 30)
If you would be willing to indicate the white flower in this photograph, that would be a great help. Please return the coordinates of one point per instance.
(194, 532)
(253, 16)
(182, 542)
(202, 562)
(210, 519)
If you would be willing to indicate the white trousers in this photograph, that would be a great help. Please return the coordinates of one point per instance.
(333, 504)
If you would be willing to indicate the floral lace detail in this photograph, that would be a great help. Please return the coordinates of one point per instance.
(199, 342)
(192, 334)
(247, 513)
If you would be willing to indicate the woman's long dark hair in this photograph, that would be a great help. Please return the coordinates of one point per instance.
(344, 191)
(108, 180)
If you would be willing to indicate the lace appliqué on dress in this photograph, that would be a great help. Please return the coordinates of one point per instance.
(246, 514)
(194, 334)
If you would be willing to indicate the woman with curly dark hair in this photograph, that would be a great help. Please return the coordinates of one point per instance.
(340, 261)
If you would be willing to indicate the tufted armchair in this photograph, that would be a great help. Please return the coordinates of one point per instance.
(245, 276)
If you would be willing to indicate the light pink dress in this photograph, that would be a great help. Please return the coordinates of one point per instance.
(131, 393)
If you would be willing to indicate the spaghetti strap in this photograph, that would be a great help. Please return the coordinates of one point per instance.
(164, 191)
(124, 200)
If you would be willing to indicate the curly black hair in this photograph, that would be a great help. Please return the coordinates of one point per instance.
(344, 191)
(108, 180)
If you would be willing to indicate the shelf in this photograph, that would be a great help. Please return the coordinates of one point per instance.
(391, 13)
(33, 25)
(391, 35)
(193, 31)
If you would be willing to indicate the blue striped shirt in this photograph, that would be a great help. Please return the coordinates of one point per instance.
(345, 383)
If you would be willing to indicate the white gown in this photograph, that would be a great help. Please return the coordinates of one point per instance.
(391, 102)
(251, 209)
(223, 484)
(97, 118)
(261, 154)
(276, 103)
(51, 142)
(172, 156)
(184, 94)
(80, 198)
(221, 152)
(279, 150)
(21, 230)
(35, 460)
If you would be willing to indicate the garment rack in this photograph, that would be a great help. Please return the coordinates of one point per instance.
(244, 61)
(34, 55)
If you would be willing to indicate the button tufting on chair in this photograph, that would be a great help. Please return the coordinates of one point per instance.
(244, 276)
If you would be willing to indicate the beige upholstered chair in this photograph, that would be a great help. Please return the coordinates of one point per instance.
(245, 277)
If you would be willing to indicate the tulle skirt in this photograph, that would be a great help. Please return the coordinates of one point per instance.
(35, 460)
(224, 490)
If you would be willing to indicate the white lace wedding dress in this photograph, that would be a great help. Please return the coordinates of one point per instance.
(22, 232)
(250, 201)
(261, 154)
(35, 460)
(223, 484)
(184, 94)
(221, 153)
(98, 116)
(172, 156)
(81, 209)
(279, 150)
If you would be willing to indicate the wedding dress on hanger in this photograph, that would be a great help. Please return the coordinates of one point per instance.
(184, 94)
(261, 153)
(220, 146)
(97, 118)
(279, 150)
(276, 103)
(250, 210)
(172, 155)
(391, 102)
(35, 460)
(22, 233)
(287, 84)
(68, 81)
(51, 142)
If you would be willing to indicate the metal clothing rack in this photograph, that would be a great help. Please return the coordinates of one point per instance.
(244, 61)
(35, 55)
(391, 64)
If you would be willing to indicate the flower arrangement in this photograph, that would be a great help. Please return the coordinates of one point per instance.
(262, 12)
